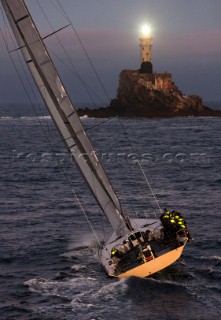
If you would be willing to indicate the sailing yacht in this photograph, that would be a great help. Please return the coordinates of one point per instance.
(137, 247)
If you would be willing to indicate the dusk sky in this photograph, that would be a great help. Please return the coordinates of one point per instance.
(186, 42)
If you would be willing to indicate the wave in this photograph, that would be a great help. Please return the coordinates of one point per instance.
(77, 286)
(213, 258)
(45, 117)
(26, 118)
(6, 118)
(34, 118)
(207, 258)
(78, 267)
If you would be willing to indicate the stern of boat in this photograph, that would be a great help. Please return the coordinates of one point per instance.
(143, 257)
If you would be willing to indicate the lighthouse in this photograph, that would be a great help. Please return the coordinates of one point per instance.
(146, 41)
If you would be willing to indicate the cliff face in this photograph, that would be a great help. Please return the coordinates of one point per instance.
(138, 94)
(150, 95)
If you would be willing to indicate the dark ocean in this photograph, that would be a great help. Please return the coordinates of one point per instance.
(48, 263)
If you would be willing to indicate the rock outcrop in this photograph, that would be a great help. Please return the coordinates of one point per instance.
(139, 96)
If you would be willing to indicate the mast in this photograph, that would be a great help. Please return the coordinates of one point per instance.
(63, 111)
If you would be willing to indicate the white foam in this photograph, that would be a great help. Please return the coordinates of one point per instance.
(6, 118)
(45, 117)
(109, 289)
(78, 267)
(36, 118)
(218, 258)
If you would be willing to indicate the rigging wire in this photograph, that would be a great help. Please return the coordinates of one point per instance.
(140, 166)
(43, 129)
(90, 61)
(23, 68)
(65, 14)
(83, 47)
(65, 51)
(26, 75)
(86, 216)
(87, 88)
(99, 124)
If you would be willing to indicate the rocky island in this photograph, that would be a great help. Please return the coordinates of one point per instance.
(144, 93)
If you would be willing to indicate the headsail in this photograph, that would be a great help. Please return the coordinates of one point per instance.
(63, 111)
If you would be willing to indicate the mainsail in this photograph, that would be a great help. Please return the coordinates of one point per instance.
(63, 111)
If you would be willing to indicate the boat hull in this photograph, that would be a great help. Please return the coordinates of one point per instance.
(153, 266)
(143, 258)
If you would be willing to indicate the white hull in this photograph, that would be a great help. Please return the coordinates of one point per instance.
(153, 266)
(162, 254)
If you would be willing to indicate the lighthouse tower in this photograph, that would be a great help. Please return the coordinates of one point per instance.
(146, 50)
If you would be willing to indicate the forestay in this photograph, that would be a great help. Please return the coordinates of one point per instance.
(63, 111)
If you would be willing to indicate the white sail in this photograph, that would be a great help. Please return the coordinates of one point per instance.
(63, 111)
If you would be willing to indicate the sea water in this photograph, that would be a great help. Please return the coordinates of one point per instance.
(48, 262)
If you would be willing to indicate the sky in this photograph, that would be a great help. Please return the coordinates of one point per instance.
(186, 42)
